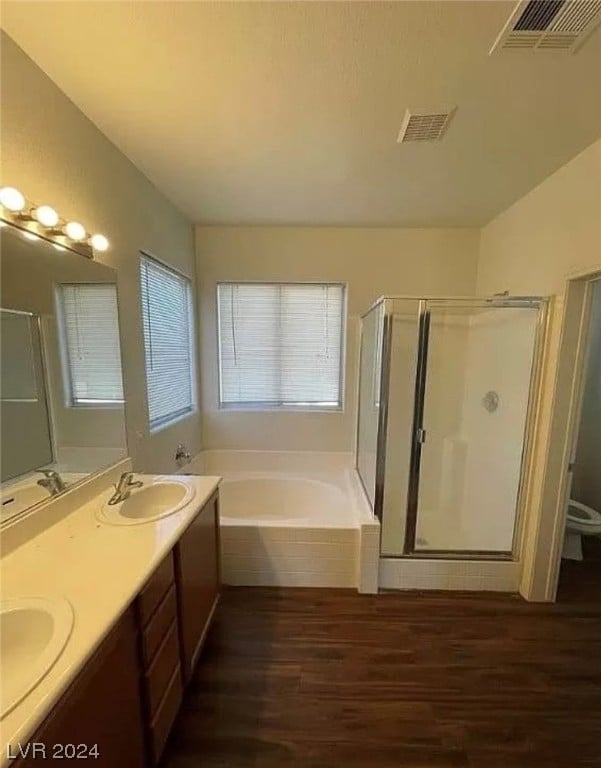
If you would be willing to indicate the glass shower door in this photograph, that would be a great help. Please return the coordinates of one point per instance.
(472, 396)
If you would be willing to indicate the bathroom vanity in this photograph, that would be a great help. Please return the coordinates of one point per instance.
(107, 584)
(114, 692)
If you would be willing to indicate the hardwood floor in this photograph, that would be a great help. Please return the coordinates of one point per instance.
(327, 678)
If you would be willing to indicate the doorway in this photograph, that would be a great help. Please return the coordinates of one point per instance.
(541, 580)
(580, 567)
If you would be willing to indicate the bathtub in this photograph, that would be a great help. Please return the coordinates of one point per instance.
(291, 519)
(283, 499)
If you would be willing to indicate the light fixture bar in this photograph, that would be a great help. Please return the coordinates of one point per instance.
(43, 220)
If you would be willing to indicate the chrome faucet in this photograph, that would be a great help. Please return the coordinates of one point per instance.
(123, 488)
(51, 481)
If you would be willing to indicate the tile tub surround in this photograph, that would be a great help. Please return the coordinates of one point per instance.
(323, 548)
(99, 569)
(319, 549)
(254, 555)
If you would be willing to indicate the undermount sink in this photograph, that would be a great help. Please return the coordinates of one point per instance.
(33, 634)
(151, 502)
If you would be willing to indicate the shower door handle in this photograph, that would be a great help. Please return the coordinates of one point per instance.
(421, 436)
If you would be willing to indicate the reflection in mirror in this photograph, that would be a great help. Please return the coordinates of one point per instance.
(61, 392)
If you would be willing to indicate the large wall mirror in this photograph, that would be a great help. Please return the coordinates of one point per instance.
(62, 409)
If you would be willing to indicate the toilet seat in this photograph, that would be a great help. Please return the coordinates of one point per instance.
(583, 519)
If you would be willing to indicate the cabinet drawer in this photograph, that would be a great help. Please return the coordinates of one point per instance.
(162, 668)
(168, 708)
(155, 589)
(157, 627)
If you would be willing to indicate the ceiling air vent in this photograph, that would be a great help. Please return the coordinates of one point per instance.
(422, 126)
(549, 25)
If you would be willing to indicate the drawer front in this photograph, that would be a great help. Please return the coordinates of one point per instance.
(155, 589)
(162, 668)
(157, 627)
(168, 708)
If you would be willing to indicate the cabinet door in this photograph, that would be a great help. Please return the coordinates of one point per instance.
(197, 576)
(102, 707)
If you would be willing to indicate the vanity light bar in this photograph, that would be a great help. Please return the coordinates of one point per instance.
(17, 209)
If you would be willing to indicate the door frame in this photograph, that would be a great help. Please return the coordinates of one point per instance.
(541, 583)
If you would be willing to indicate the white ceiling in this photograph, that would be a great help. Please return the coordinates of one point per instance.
(288, 113)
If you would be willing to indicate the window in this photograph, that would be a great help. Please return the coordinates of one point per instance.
(90, 343)
(166, 315)
(280, 345)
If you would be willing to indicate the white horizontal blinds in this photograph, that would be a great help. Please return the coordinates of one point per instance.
(166, 323)
(281, 344)
(91, 334)
(311, 318)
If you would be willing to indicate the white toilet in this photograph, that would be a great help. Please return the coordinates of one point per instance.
(581, 521)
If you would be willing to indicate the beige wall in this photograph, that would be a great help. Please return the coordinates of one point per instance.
(371, 261)
(55, 155)
(531, 248)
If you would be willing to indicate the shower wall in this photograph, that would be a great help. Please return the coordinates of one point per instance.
(499, 360)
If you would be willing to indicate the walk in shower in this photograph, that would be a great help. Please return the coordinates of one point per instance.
(447, 393)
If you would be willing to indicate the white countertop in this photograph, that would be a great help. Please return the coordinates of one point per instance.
(99, 569)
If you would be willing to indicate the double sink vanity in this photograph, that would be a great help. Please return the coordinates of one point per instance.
(108, 581)
(104, 611)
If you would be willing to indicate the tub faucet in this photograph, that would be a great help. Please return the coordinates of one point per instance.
(123, 488)
(51, 481)
(182, 455)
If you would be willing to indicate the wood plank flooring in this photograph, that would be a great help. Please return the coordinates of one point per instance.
(327, 678)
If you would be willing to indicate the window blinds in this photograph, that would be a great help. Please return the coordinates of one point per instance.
(167, 342)
(280, 344)
(91, 341)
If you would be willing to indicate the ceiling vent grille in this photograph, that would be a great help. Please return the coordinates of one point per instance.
(549, 25)
(424, 126)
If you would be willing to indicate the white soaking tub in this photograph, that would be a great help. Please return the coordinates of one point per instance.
(291, 519)
(281, 499)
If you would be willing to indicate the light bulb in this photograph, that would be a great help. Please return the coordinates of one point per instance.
(12, 199)
(46, 215)
(30, 236)
(75, 231)
(99, 242)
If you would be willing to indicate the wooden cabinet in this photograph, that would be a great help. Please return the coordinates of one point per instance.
(160, 664)
(102, 707)
(197, 580)
(127, 696)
